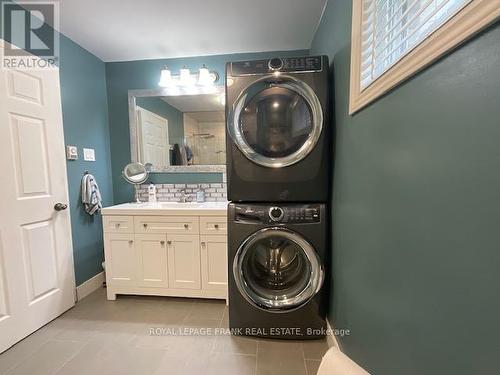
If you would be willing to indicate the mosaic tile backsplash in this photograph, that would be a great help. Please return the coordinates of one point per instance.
(214, 192)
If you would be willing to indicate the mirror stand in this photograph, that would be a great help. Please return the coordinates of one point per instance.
(135, 174)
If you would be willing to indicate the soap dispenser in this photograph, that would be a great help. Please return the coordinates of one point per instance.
(200, 195)
(152, 193)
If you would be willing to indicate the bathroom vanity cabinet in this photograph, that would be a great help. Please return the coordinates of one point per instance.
(166, 249)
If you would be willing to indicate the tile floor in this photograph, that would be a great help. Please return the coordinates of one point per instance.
(100, 337)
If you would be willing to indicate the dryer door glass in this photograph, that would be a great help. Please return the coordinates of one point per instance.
(277, 270)
(276, 122)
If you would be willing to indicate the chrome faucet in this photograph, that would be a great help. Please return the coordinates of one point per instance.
(184, 197)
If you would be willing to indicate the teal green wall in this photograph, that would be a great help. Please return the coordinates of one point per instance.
(85, 116)
(144, 74)
(173, 115)
(416, 212)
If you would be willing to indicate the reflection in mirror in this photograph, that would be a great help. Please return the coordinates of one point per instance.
(184, 130)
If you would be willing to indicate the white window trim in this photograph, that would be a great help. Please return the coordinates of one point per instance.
(472, 18)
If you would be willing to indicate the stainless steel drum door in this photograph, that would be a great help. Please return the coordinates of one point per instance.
(277, 270)
(276, 121)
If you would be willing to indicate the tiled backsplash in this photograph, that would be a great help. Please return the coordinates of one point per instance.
(214, 192)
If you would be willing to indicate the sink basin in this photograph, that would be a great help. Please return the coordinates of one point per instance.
(191, 205)
(181, 205)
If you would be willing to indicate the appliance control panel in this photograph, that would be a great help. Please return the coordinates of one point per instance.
(276, 64)
(277, 214)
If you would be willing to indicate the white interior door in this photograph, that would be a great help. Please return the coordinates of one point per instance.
(36, 257)
(154, 143)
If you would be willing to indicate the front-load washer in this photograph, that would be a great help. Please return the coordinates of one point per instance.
(278, 130)
(277, 257)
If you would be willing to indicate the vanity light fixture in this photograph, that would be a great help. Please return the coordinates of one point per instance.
(165, 78)
(204, 77)
(203, 80)
(185, 77)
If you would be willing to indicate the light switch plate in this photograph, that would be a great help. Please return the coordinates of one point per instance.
(71, 152)
(88, 154)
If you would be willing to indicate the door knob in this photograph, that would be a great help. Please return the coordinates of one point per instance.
(60, 206)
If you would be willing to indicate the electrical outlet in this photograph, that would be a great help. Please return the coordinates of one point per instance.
(88, 154)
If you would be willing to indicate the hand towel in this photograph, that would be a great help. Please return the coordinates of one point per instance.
(91, 196)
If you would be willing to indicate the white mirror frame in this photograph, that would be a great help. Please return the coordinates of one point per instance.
(134, 150)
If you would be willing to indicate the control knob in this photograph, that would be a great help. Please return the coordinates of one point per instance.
(275, 64)
(276, 213)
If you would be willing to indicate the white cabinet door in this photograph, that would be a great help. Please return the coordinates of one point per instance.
(214, 262)
(121, 258)
(36, 257)
(152, 260)
(184, 261)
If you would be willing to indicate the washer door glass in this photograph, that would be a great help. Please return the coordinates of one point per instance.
(277, 270)
(276, 122)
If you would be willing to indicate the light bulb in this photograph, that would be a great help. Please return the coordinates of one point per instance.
(205, 78)
(165, 78)
(185, 78)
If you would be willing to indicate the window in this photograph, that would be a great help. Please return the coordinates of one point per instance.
(393, 39)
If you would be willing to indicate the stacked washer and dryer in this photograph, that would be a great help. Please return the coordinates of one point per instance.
(278, 174)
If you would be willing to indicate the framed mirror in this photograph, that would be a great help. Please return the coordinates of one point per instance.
(178, 133)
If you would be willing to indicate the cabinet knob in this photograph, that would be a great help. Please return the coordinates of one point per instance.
(216, 226)
(186, 226)
(130, 242)
(203, 243)
(145, 225)
(169, 242)
(162, 242)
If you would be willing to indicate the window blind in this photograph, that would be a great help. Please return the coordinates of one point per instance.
(392, 28)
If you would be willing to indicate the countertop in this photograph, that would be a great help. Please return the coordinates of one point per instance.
(168, 208)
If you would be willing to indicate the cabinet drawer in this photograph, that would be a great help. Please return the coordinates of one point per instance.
(118, 224)
(167, 224)
(213, 225)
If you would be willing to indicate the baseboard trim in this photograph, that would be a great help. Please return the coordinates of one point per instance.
(331, 339)
(89, 286)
